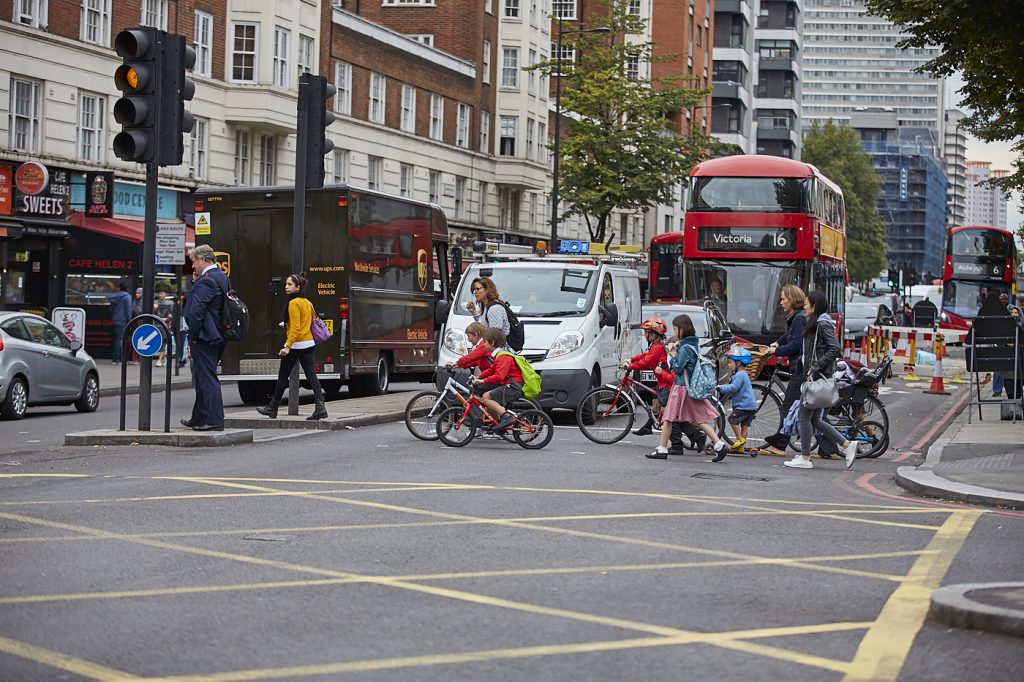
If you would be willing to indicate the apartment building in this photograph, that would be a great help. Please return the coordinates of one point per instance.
(985, 204)
(954, 153)
(758, 56)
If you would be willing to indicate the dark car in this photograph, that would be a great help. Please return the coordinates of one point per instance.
(859, 316)
(708, 322)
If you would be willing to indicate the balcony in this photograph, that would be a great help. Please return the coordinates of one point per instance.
(777, 64)
(732, 7)
(262, 107)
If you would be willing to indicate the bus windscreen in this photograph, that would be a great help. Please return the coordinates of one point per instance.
(747, 293)
(750, 195)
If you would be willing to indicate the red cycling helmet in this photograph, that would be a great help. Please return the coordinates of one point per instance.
(654, 324)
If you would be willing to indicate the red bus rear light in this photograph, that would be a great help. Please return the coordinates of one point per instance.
(343, 308)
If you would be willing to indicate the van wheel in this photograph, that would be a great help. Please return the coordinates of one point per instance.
(15, 403)
(255, 392)
(362, 385)
(90, 398)
(331, 387)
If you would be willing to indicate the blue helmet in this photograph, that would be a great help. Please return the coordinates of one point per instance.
(740, 355)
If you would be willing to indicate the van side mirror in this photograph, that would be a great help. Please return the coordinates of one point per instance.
(608, 314)
(441, 310)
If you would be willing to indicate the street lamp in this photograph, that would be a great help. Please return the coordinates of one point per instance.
(558, 124)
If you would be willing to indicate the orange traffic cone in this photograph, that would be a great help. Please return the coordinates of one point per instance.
(863, 359)
(937, 387)
(847, 350)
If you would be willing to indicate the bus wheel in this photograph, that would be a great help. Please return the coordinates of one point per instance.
(255, 392)
(377, 383)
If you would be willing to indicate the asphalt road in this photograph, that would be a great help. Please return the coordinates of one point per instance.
(366, 554)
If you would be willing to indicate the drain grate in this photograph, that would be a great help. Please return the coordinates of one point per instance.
(734, 477)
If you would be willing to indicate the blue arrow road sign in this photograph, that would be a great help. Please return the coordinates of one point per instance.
(147, 340)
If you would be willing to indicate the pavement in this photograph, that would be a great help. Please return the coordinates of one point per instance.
(110, 378)
(979, 460)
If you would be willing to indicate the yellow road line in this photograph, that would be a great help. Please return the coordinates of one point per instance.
(57, 660)
(885, 647)
(424, 577)
(730, 640)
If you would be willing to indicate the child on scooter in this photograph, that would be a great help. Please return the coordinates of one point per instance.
(744, 405)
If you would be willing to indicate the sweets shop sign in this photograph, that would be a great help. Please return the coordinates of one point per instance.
(42, 191)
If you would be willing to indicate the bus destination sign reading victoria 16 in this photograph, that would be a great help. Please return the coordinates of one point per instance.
(754, 239)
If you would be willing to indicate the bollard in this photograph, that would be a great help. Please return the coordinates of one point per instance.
(908, 367)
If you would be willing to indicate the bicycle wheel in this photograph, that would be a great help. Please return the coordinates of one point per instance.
(767, 419)
(871, 438)
(874, 411)
(523, 404)
(533, 429)
(605, 415)
(421, 414)
(454, 429)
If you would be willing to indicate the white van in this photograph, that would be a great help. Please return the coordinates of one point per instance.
(580, 320)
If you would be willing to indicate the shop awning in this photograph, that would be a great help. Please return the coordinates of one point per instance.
(119, 228)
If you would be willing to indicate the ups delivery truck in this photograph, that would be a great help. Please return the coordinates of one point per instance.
(377, 267)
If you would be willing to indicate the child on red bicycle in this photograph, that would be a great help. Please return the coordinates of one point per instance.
(502, 382)
(479, 356)
(655, 358)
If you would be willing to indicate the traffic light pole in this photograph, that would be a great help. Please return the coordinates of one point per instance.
(299, 216)
(149, 261)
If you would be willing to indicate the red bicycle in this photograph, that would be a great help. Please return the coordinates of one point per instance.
(530, 429)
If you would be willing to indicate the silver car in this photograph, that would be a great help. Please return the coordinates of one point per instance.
(39, 365)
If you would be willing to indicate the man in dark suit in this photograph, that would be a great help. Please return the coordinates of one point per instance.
(203, 313)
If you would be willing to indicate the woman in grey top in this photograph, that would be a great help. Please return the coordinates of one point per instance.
(487, 310)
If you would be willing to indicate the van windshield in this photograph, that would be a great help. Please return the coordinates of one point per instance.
(537, 292)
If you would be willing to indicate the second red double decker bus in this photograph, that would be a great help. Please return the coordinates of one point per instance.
(980, 260)
(753, 225)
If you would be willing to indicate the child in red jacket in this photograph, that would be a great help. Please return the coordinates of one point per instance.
(502, 382)
(655, 358)
(479, 356)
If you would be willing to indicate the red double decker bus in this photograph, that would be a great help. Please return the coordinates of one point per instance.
(979, 261)
(753, 225)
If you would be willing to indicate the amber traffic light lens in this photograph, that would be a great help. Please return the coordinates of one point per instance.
(132, 77)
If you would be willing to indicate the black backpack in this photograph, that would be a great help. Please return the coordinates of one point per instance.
(516, 336)
(234, 316)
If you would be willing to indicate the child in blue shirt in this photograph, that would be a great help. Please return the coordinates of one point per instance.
(744, 405)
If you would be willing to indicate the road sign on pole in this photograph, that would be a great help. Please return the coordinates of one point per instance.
(147, 340)
(170, 243)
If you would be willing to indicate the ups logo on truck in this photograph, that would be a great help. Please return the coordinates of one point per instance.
(223, 261)
(421, 268)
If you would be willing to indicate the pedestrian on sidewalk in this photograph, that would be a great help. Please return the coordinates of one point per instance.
(120, 315)
(789, 346)
(298, 348)
(203, 311)
(682, 407)
(821, 350)
(164, 309)
(137, 309)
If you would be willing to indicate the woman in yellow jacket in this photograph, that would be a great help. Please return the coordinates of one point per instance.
(298, 348)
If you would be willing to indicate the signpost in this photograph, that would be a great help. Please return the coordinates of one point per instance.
(170, 243)
(147, 340)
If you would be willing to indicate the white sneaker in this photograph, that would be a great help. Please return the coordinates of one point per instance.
(851, 453)
(798, 463)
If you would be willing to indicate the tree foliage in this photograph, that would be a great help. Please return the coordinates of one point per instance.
(620, 152)
(979, 40)
(837, 152)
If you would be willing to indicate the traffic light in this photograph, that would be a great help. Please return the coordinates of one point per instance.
(313, 95)
(176, 88)
(137, 78)
(894, 278)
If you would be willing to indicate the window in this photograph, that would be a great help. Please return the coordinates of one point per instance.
(340, 166)
(489, 6)
(434, 187)
(481, 202)
(198, 148)
(511, 9)
(507, 144)
(568, 55)
(90, 126)
(532, 215)
(408, 122)
(531, 76)
(411, 3)
(154, 13)
(30, 13)
(202, 43)
(243, 52)
(343, 82)
(508, 208)
(282, 37)
(306, 64)
(462, 127)
(375, 168)
(529, 137)
(634, 7)
(564, 9)
(378, 90)
(510, 67)
(460, 197)
(436, 117)
(485, 132)
(268, 160)
(422, 38)
(26, 102)
(542, 136)
(405, 180)
(242, 157)
(487, 61)
(96, 21)
(633, 67)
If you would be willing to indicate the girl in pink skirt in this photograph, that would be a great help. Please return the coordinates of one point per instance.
(681, 407)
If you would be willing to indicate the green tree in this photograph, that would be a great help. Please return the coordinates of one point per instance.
(979, 40)
(620, 152)
(837, 152)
